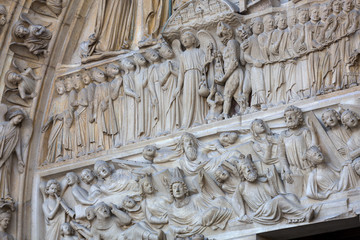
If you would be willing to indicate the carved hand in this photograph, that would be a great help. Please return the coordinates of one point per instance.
(245, 219)
(21, 166)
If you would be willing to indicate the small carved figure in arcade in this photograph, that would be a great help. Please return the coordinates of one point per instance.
(263, 197)
(5, 217)
(34, 37)
(323, 180)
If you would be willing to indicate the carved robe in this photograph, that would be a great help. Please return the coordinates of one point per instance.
(38, 38)
(81, 119)
(264, 43)
(194, 108)
(321, 183)
(113, 24)
(53, 225)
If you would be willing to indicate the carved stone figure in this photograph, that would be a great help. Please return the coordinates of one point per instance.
(254, 56)
(215, 101)
(185, 205)
(15, 132)
(89, 178)
(265, 143)
(34, 37)
(263, 198)
(191, 66)
(80, 195)
(294, 143)
(322, 180)
(5, 217)
(67, 232)
(112, 30)
(233, 74)
(3, 15)
(338, 134)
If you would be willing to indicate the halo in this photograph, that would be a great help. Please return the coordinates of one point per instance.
(9, 84)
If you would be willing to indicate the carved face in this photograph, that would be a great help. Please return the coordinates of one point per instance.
(249, 173)
(17, 119)
(14, 78)
(66, 229)
(324, 12)
(113, 70)
(357, 4)
(178, 190)
(128, 64)
(140, 59)
(221, 175)
(129, 203)
(190, 148)
(103, 211)
(303, 16)
(21, 31)
(153, 56)
(148, 187)
(269, 23)
(292, 21)
(87, 176)
(336, 6)
(60, 89)
(224, 32)
(86, 78)
(258, 127)
(104, 171)
(228, 138)
(99, 76)
(292, 119)
(2, 20)
(4, 222)
(149, 152)
(68, 84)
(350, 120)
(347, 4)
(258, 27)
(52, 190)
(188, 40)
(357, 167)
(71, 179)
(330, 119)
(166, 51)
(282, 23)
(77, 82)
(242, 33)
(315, 156)
(315, 14)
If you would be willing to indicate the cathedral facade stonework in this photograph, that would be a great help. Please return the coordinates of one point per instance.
(169, 119)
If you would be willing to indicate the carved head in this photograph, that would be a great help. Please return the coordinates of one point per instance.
(293, 117)
(90, 213)
(5, 217)
(330, 118)
(3, 14)
(16, 117)
(303, 15)
(66, 230)
(357, 4)
(72, 178)
(21, 31)
(77, 81)
(127, 64)
(14, 78)
(325, 11)
(140, 59)
(315, 12)
(92, 39)
(347, 5)
(60, 87)
(52, 187)
(128, 202)
(166, 51)
(257, 25)
(188, 40)
(291, 17)
(336, 6)
(228, 138)
(350, 119)
(356, 166)
(281, 21)
(248, 169)
(153, 55)
(68, 83)
(224, 32)
(102, 211)
(221, 175)
(314, 155)
(112, 70)
(86, 78)
(243, 32)
(102, 169)
(178, 187)
(146, 185)
(269, 22)
(98, 75)
(87, 176)
(257, 127)
(189, 145)
(149, 152)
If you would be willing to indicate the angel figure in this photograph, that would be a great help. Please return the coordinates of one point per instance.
(34, 37)
(192, 62)
(15, 132)
(52, 8)
(22, 81)
(54, 208)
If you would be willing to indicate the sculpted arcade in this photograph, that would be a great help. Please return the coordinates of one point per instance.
(190, 120)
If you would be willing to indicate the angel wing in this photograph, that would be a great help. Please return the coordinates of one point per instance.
(13, 97)
(26, 19)
(20, 65)
(40, 7)
(21, 49)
